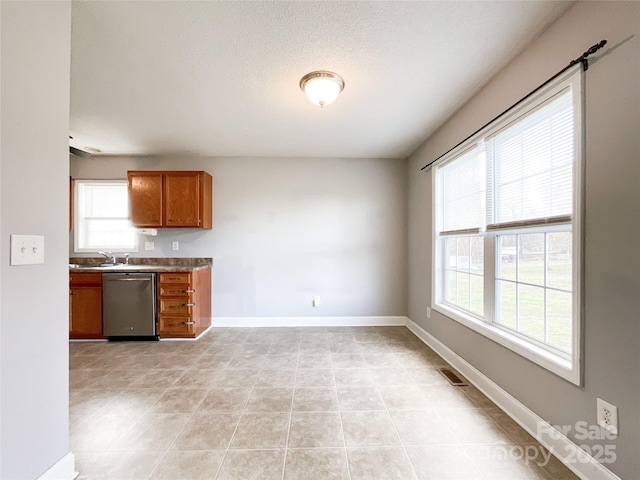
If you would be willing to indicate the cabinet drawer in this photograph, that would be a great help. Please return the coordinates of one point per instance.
(175, 325)
(176, 306)
(176, 290)
(182, 277)
(85, 278)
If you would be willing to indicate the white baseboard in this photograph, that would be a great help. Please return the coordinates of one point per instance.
(583, 465)
(217, 322)
(78, 340)
(64, 469)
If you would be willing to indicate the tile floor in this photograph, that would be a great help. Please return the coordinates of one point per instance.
(287, 403)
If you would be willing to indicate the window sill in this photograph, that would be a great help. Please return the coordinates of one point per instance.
(544, 358)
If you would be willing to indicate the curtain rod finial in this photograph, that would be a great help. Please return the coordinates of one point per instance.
(581, 59)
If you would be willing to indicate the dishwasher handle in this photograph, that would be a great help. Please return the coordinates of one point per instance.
(129, 280)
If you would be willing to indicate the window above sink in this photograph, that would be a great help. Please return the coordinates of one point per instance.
(101, 217)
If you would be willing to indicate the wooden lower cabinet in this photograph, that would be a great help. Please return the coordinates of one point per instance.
(85, 305)
(184, 303)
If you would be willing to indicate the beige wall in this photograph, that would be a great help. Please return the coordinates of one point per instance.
(612, 239)
(34, 421)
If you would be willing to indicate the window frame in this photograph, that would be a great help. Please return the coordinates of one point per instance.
(567, 366)
(77, 183)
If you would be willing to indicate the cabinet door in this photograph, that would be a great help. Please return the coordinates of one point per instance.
(182, 199)
(145, 198)
(70, 203)
(86, 312)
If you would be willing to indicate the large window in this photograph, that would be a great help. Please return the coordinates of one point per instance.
(101, 217)
(507, 249)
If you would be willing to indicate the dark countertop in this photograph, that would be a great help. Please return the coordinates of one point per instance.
(85, 264)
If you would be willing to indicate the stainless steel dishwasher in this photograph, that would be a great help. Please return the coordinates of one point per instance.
(129, 306)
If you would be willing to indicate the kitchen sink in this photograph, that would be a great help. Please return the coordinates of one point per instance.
(118, 267)
(125, 266)
(103, 265)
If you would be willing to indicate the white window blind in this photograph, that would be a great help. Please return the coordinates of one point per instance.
(532, 161)
(462, 192)
(102, 216)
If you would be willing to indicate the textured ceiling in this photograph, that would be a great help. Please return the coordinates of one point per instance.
(221, 78)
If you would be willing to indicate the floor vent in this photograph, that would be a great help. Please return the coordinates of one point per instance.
(453, 378)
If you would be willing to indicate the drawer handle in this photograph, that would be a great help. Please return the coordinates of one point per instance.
(189, 304)
(188, 323)
(189, 291)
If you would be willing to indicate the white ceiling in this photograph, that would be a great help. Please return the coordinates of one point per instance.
(221, 78)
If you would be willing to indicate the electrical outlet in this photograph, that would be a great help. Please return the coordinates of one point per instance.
(607, 416)
(316, 300)
(175, 245)
(428, 312)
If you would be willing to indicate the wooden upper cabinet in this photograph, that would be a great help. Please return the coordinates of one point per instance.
(145, 198)
(70, 203)
(180, 199)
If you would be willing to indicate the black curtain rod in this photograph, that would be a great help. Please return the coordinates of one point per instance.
(585, 66)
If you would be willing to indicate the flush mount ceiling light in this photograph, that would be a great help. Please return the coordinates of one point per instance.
(322, 87)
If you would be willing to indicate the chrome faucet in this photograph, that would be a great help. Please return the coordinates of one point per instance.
(126, 259)
(109, 256)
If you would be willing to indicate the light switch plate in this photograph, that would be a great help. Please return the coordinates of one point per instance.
(27, 249)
